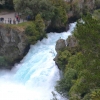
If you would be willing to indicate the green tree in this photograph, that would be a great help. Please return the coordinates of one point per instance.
(66, 82)
(63, 59)
(40, 25)
(34, 7)
(32, 34)
(85, 63)
(9, 4)
(60, 17)
(35, 31)
(88, 36)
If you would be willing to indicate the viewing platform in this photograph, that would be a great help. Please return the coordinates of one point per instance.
(5, 16)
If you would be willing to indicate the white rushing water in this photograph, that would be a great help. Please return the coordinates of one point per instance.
(36, 75)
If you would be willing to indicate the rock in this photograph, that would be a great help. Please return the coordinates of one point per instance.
(79, 7)
(60, 44)
(12, 44)
(71, 41)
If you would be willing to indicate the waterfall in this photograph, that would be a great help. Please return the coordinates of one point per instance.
(35, 76)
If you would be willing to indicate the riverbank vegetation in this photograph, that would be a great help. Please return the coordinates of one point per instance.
(35, 31)
(54, 14)
(42, 14)
(6, 4)
(81, 64)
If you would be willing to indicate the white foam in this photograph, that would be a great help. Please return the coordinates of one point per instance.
(36, 75)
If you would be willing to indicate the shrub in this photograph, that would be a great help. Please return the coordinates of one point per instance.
(65, 84)
(35, 31)
(63, 59)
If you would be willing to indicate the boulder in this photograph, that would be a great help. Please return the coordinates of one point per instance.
(60, 44)
(71, 41)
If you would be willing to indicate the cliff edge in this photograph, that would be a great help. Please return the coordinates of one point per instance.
(12, 46)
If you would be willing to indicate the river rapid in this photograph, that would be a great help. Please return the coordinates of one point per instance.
(35, 77)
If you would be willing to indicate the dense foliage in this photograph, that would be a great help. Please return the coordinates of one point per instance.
(34, 7)
(35, 31)
(56, 13)
(53, 11)
(81, 67)
(81, 79)
(7, 4)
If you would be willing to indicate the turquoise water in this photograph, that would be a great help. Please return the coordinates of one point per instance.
(35, 76)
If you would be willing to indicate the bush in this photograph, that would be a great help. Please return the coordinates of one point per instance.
(35, 31)
(63, 58)
(65, 84)
(82, 72)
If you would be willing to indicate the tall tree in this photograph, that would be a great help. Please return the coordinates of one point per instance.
(34, 7)
(9, 4)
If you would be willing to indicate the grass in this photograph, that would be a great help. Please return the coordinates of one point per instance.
(20, 26)
(24, 24)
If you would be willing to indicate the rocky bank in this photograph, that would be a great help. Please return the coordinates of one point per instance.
(61, 44)
(12, 46)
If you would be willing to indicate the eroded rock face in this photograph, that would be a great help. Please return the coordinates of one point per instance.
(71, 41)
(12, 43)
(79, 7)
(60, 44)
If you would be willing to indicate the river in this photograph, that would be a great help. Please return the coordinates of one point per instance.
(36, 75)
